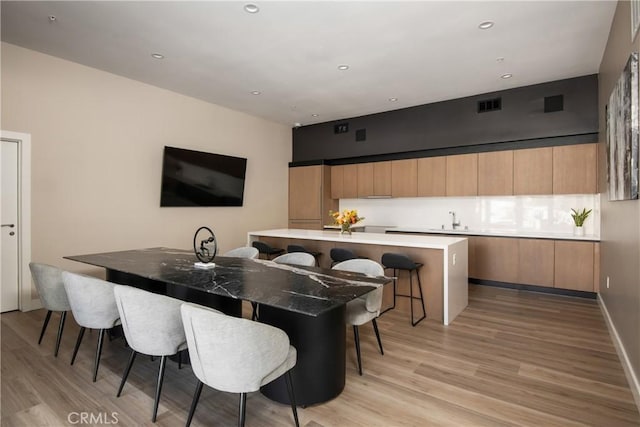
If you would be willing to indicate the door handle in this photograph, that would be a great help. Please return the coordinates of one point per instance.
(9, 225)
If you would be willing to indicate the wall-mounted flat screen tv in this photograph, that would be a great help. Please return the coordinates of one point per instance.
(196, 178)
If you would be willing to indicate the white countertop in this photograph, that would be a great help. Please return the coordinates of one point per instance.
(495, 233)
(391, 239)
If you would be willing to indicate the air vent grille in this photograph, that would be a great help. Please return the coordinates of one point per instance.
(487, 105)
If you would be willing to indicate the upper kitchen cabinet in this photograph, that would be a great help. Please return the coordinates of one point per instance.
(309, 196)
(344, 182)
(533, 171)
(495, 173)
(404, 178)
(574, 169)
(462, 175)
(374, 179)
(431, 176)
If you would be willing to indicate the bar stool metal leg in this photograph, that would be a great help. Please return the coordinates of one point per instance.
(424, 312)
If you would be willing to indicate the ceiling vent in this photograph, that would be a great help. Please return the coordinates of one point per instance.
(361, 135)
(553, 103)
(486, 105)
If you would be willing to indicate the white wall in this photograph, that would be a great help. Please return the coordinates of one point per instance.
(544, 214)
(97, 142)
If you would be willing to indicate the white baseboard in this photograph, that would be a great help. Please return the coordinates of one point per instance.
(632, 378)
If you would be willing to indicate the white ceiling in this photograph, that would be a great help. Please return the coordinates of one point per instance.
(418, 52)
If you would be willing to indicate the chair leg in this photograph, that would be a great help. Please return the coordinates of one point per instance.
(63, 316)
(292, 398)
(254, 314)
(78, 341)
(125, 375)
(96, 363)
(163, 363)
(44, 325)
(194, 402)
(356, 337)
(424, 312)
(375, 328)
(243, 409)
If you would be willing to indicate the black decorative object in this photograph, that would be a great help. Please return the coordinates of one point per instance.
(205, 246)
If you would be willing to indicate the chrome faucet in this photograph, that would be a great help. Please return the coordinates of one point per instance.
(454, 223)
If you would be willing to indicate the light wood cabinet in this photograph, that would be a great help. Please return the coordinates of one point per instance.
(462, 175)
(382, 179)
(574, 265)
(431, 176)
(495, 173)
(496, 258)
(344, 181)
(374, 179)
(535, 262)
(533, 171)
(404, 178)
(310, 196)
(574, 169)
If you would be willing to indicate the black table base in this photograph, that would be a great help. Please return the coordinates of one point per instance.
(319, 374)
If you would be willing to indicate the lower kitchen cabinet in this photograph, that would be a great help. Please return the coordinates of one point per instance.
(496, 258)
(535, 262)
(574, 265)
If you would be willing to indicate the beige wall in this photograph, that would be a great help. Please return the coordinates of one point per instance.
(620, 221)
(97, 142)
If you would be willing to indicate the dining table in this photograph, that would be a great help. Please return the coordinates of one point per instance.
(308, 303)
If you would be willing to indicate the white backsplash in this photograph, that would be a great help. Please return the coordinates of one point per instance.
(545, 214)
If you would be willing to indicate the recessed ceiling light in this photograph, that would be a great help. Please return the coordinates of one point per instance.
(251, 8)
(157, 56)
(255, 92)
(485, 25)
(507, 76)
(393, 99)
(52, 18)
(315, 115)
(343, 67)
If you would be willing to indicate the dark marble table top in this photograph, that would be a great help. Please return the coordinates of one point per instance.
(306, 290)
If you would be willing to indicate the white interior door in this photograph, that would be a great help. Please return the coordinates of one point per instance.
(9, 218)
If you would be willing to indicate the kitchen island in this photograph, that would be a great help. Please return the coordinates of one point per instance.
(444, 275)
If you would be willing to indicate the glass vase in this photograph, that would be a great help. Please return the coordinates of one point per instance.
(345, 228)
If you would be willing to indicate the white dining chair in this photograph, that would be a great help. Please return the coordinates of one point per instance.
(93, 306)
(367, 307)
(236, 355)
(50, 287)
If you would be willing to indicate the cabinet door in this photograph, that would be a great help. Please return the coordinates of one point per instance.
(495, 173)
(496, 258)
(574, 265)
(382, 179)
(350, 182)
(462, 175)
(431, 176)
(533, 171)
(574, 169)
(365, 180)
(535, 262)
(404, 178)
(337, 174)
(305, 192)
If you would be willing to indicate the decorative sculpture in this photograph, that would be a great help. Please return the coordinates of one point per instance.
(205, 247)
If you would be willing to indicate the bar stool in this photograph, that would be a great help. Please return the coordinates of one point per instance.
(299, 248)
(340, 254)
(267, 250)
(404, 263)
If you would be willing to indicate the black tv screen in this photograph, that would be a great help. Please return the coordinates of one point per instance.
(196, 178)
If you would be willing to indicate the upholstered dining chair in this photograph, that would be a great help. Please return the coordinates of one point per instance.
(153, 326)
(243, 252)
(341, 254)
(236, 355)
(48, 281)
(93, 306)
(296, 258)
(366, 307)
(267, 249)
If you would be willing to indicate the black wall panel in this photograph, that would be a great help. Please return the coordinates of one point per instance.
(457, 124)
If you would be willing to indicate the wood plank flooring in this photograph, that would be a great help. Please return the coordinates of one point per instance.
(512, 358)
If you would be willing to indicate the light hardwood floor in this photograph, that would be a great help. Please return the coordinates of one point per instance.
(511, 358)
